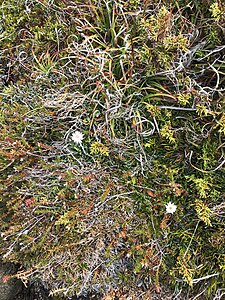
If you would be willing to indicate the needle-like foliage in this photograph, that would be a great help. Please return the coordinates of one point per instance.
(112, 146)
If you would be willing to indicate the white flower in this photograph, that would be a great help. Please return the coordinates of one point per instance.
(77, 137)
(170, 208)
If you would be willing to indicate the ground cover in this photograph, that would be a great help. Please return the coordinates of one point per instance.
(112, 146)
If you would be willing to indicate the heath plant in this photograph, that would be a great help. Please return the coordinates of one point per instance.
(112, 147)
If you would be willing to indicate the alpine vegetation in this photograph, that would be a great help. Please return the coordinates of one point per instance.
(112, 146)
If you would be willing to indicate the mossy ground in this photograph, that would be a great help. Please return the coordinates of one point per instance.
(144, 84)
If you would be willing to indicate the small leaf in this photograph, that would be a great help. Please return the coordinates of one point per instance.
(150, 193)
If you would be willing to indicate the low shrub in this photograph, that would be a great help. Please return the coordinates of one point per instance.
(112, 146)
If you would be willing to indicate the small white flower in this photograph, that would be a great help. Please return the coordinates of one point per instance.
(170, 208)
(77, 137)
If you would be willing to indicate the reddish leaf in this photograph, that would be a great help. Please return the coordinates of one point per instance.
(5, 278)
(150, 193)
(157, 288)
(29, 202)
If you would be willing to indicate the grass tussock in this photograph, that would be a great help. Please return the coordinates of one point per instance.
(112, 146)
